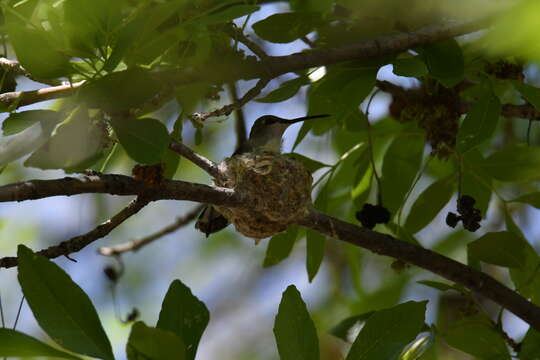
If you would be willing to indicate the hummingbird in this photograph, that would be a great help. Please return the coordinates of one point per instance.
(265, 136)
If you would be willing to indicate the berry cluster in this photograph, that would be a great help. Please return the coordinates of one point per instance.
(371, 215)
(470, 216)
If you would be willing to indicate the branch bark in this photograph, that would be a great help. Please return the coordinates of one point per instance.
(79, 242)
(450, 269)
(118, 185)
(134, 245)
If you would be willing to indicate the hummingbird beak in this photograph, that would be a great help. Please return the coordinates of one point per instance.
(304, 118)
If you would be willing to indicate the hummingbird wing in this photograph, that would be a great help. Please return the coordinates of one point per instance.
(211, 221)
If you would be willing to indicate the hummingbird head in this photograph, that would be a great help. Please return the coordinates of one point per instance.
(268, 130)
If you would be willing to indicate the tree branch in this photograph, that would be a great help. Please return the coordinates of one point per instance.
(118, 185)
(79, 242)
(134, 245)
(23, 98)
(273, 66)
(450, 269)
(207, 165)
(227, 109)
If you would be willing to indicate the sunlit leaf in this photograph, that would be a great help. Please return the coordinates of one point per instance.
(227, 14)
(17, 122)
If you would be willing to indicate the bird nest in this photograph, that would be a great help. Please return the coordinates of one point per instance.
(277, 189)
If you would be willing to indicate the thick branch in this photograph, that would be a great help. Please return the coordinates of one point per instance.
(79, 242)
(373, 48)
(22, 98)
(118, 185)
(134, 245)
(450, 269)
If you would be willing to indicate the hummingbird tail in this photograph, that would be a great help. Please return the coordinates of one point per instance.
(211, 221)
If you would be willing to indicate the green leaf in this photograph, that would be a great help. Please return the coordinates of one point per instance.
(532, 199)
(15, 146)
(310, 164)
(430, 202)
(487, 342)
(339, 93)
(285, 91)
(530, 346)
(480, 123)
(75, 145)
(364, 175)
(445, 62)
(525, 278)
(121, 91)
(286, 27)
(410, 67)
(144, 140)
(346, 326)
(475, 181)
(442, 286)
(156, 344)
(17, 122)
(519, 163)
(14, 343)
(322, 6)
(227, 14)
(280, 246)
(88, 23)
(185, 315)
(388, 331)
(295, 333)
(61, 307)
(401, 161)
(36, 49)
(530, 93)
(502, 248)
(314, 252)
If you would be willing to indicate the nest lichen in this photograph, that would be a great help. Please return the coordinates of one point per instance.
(277, 188)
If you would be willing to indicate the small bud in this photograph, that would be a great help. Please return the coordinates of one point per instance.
(111, 273)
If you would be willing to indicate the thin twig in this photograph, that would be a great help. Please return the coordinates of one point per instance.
(134, 245)
(238, 35)
(207, 165)
(227, 109)
(79, 242)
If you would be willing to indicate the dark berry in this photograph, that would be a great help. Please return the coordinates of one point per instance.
(371, 215)
(452, 219)
(111, 273)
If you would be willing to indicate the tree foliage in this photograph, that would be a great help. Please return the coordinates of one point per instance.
(444, 174)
